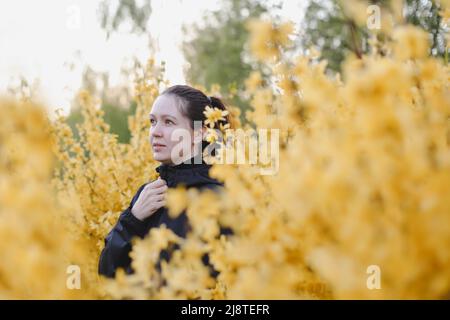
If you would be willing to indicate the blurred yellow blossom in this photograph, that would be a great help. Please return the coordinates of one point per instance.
(410, 42)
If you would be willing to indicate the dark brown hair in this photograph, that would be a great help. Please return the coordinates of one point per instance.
(193, 102)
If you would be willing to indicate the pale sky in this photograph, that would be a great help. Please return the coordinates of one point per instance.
(39, 39)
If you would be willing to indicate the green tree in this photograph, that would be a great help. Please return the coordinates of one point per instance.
(114, 13)
(328, 28)
(216, 50)
(115, 112)
(115, 116)
(425, 14)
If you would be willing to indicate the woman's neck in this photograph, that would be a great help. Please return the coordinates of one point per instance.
(197, 158)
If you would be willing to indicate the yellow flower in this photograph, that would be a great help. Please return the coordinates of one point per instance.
(356, 10)
(212, 135)
(177, 201)
(224, 127)
(313, 53)
(445, 14)
(267, 39)
(410, 42)
(214, 115)
(253, 81)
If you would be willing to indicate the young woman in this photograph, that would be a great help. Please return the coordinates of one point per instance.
(173, 115)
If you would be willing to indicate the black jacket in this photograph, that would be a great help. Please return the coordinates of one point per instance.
(118, 241)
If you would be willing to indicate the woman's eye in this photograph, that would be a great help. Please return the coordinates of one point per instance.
(152, 121)
(169, 122)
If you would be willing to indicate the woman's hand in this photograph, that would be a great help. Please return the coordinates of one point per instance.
(150, 200)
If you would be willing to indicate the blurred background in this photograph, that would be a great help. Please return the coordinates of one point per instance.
(51, 49)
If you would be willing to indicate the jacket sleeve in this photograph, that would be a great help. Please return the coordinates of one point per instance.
(118, 241)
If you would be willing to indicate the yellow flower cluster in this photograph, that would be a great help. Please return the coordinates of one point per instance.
(267, 39)
(37, 246)
(214, 115)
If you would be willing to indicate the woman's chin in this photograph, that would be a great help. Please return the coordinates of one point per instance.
(157, 156)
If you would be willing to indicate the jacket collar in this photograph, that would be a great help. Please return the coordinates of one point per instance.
(187, 173)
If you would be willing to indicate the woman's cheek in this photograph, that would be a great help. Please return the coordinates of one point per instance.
(168, 138)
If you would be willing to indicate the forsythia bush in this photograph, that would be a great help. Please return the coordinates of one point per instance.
(37, 247)
(363, 180)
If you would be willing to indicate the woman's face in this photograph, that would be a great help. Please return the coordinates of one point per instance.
(171, 134)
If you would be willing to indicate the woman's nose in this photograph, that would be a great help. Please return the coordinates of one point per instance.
(156, 131)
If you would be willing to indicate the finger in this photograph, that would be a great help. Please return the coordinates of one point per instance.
(154, 184)
(148, 186)
(159, 190)
(159, 197)
(160, 203)
(155, 197)
(158, 183)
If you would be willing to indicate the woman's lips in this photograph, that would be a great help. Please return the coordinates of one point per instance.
(158, 146)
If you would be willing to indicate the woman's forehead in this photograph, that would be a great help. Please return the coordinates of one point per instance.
(165, 105)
